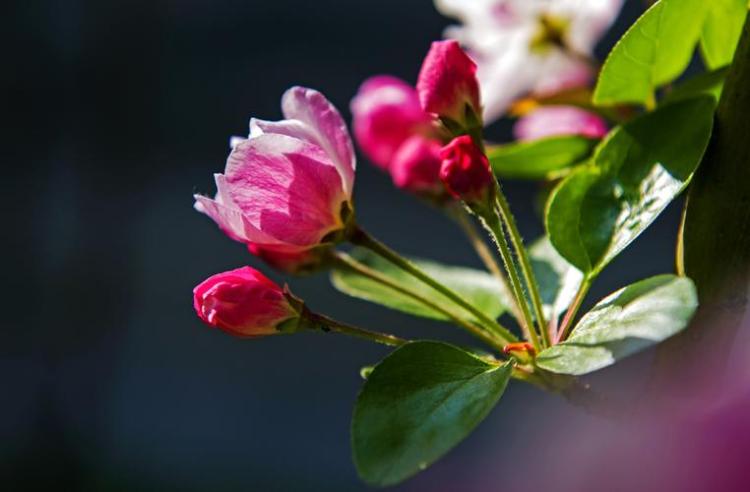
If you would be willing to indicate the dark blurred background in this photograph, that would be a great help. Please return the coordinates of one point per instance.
(117, 111)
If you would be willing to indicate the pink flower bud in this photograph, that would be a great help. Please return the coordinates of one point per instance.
(289, 185)
(294, 263)
(243, 302)
(448, 83)
(416, 167)
(386, 112)
(465, 170)
(549, 121)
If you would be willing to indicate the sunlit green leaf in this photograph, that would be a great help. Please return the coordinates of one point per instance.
(477, 287)
(626, 322)
(653, 52)
(417, 404)
(637, 171)
(539, 159)
(706, 83)
(721, 31)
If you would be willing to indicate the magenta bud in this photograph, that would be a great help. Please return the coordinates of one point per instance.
(448, 87)
(465, 170)
(416, 167)
(243, 302)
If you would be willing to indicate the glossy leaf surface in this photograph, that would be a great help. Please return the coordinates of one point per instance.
(638, 170)
(626, 322)
(417, 404)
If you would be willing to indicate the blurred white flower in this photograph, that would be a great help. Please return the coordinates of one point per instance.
(528, 46)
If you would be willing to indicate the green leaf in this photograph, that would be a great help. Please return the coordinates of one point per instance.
(558, 280)
(417, 404)
(653, 52)
(721, 31)
(707, 83)
(637, 171)
(479, 288)
(539, 159)
(628, 321)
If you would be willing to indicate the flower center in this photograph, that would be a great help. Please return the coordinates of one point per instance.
(551, 32)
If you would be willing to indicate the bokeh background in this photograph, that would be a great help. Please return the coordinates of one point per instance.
(118, 111)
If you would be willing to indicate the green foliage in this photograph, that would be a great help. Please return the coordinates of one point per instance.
(636, 172)
(477, 287)
(539, 159)
(628, 321)
(654, 51)
(721, 31)
(417, 404)
(707, 83)
(659, 46)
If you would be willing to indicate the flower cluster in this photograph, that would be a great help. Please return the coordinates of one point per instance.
(286, 193)
(286, 190)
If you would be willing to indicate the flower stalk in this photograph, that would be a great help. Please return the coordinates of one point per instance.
(493, 225)
(567, 322)
(462, 218)
(525, 263)
(323, 323)
(361, 238)
(346, 261)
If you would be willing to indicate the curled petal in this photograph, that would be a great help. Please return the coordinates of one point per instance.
(233, 224)
(327, 128)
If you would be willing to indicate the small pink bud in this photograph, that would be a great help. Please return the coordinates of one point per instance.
(416, 167)
(294, 263)
(549, 121)
(386, 112)
(465, 170)
(448, 84)
(243, 302)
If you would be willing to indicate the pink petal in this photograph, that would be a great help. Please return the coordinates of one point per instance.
(326, 126)
(286, 187)
(550, 121)
(386, 112)
(230, 220)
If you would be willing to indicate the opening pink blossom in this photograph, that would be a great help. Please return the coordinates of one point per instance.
(287, 186)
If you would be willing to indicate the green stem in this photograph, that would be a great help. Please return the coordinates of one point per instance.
(324, 323)
(528, 273)
(567, 322)
(463, 220)
(346, 261)
(492, 223)
(361, 238)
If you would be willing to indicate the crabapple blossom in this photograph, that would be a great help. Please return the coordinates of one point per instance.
(528, 46)
(287, 189)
